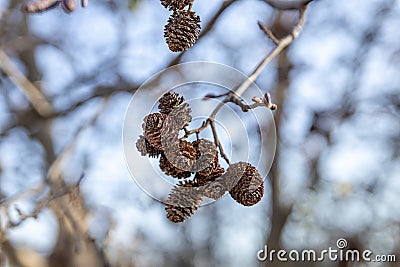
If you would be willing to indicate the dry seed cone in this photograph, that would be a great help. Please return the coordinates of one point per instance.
(152, 127)
(182, 202)
(169, 101)
(179, 161)
(145, 149)
(250, 188)
(182, 30)
(176, 4)
(206, 157)
(213, 185)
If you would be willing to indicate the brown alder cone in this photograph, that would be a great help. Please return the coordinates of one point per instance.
(182, 30)
(145, 148)
(169, 101)
(183, 201)
(177, 119)
(250, 188)
(206, 157)
(178, 162)
(152, 127)
(234, 173)
(176, 4)
(213, 185)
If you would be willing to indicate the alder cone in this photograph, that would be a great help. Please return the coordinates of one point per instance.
(202, 180)
(169, 101)
(182, 30)
(183, 201)
(213, 185)
(234, 173)
(176, 120)
(250, 188)
(152, 127)
(176, 4)
(145, 148)
(179, 161)
(206, 157)
(181, 116)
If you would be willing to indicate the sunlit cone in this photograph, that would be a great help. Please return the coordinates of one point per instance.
(250, 188)
(206, 157)
(178, 162)
(152, 127)
(169, 101)
(182, 30)
(183, 201)
(176, 4)
(146, 149)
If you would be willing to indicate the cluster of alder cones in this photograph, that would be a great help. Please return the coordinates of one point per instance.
(180, 159)
(183, 27)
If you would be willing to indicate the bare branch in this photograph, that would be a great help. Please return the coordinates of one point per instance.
(288, 5)
(235, 96)
(277, 50)
(268, 32)
(217, 142)
(41, 5)
(34, 95)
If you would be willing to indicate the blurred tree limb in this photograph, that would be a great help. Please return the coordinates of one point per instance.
(34, 95)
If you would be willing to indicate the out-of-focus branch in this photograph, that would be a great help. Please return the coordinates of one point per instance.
(57, 188)
(99, 92)
(43, 203)
(34, 95)
(288, 4)
(54, 172)
(41, 5)
(37, 6)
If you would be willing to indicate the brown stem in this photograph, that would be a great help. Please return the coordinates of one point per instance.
(268, 32)
(217, 142)
(34, 95)
(235, 96)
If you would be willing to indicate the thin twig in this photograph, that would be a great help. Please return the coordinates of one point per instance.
(274, 53)
(197, 130)
(217, 142)
(58, 188)
(34, 95)
(268, 32)
(40, 205)
(235, 96)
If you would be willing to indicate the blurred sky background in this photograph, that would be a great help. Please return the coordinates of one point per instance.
(338, 128)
